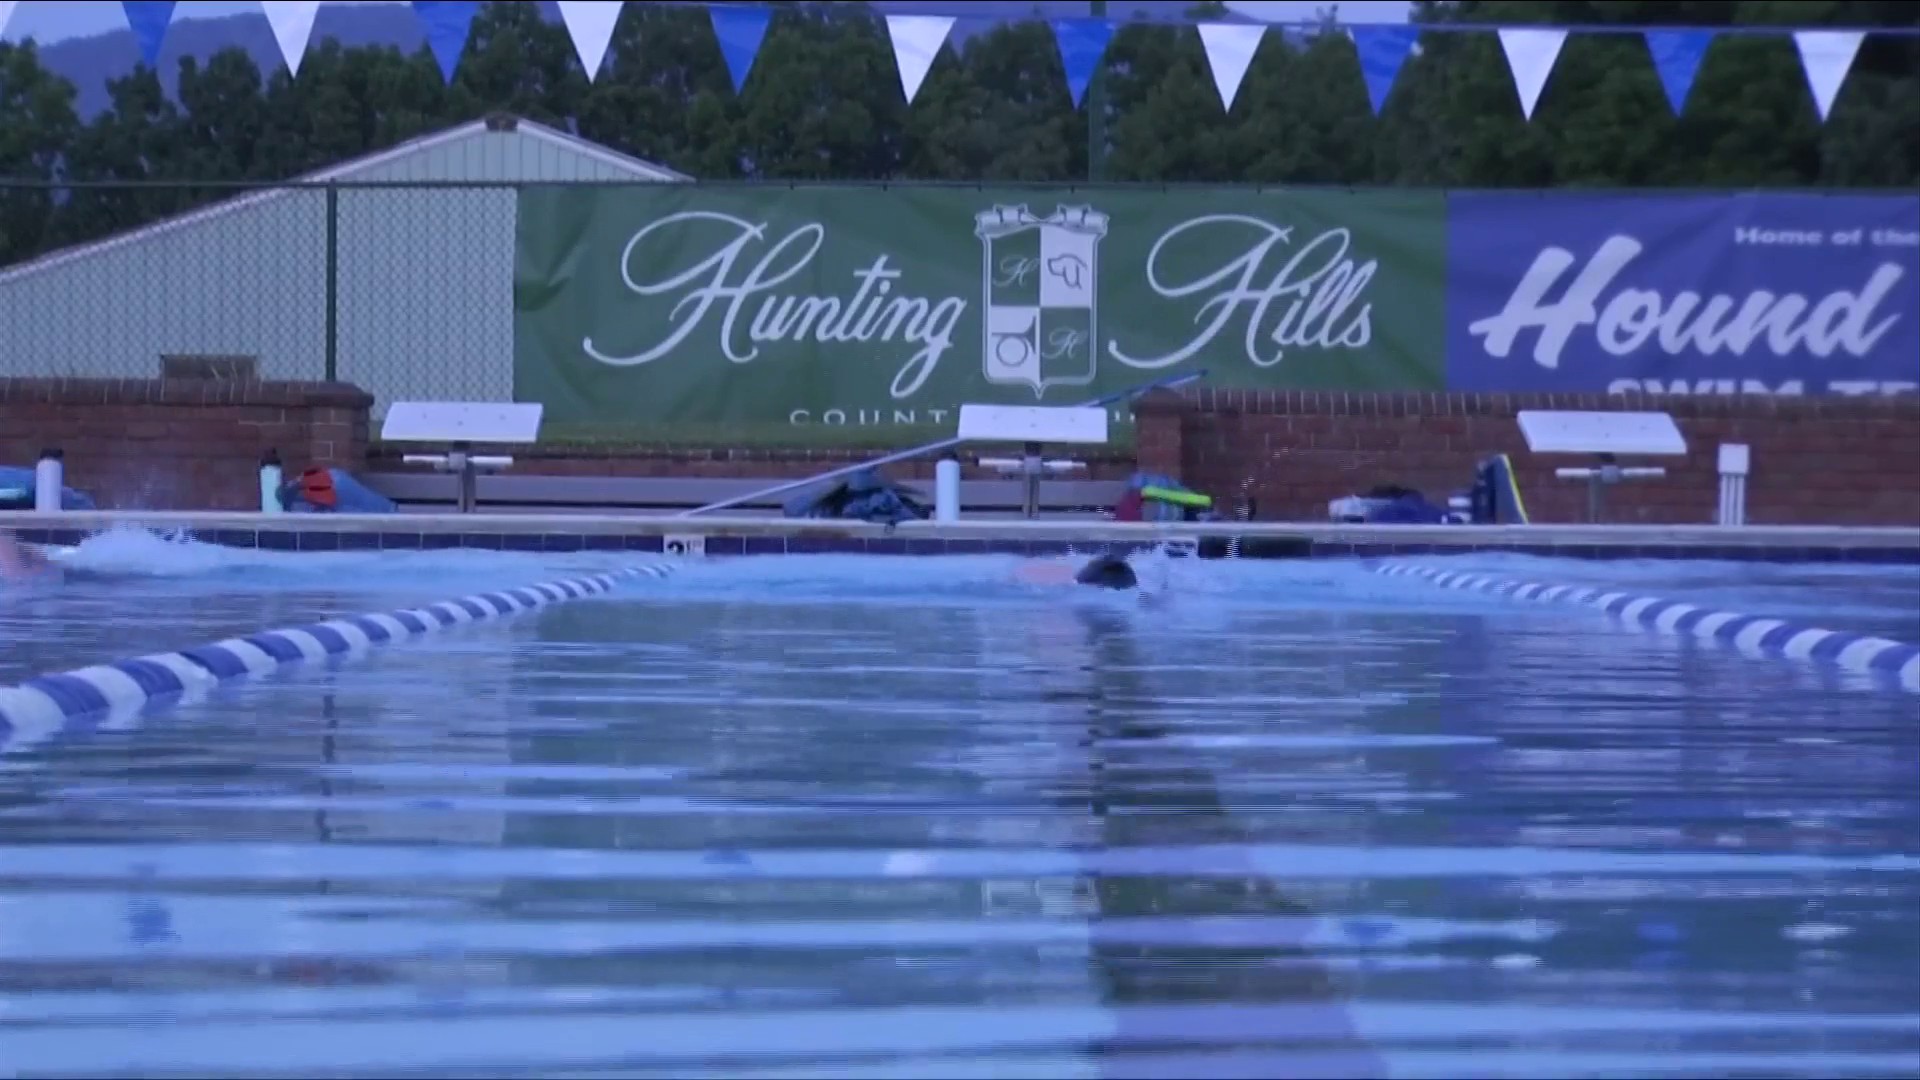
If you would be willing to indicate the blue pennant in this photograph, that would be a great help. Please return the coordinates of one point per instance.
(1383, 51)
(149, 20)
(446, 23)
(1083, 44)
(740, 30)
(1676, 57)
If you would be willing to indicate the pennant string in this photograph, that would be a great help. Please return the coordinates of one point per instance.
(740, 29)
(916, 42)
(1826, 56)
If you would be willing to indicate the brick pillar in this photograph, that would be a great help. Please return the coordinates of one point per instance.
(1159, 432)
(180, 444)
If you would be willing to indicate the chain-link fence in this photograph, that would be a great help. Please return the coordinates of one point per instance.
(403, 289)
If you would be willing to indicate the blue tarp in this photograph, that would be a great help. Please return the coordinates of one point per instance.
(17, 491)
(863, 496)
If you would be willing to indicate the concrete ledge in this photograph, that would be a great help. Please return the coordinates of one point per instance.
(1323, 537)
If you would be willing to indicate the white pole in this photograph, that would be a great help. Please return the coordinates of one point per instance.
(270, 477)
(946, 489)
(1736, 461)
(49, 482)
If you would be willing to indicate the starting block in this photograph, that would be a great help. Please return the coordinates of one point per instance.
(1606, 435)
(1032, 426)
(458, 425)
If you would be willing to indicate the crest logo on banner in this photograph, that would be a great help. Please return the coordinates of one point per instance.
(1039, 288)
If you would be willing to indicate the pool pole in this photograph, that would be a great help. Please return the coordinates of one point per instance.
(49, 482)
(270, 476)
(1167, 383)
(946, 488)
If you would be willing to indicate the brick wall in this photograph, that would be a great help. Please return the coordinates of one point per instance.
(196, 444)
(1815, 461)
(179, 444)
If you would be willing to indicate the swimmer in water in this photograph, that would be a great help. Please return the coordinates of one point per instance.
(1104, 572)
(1107, 572)
(21, 563)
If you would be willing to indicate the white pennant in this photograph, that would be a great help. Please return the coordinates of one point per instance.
(292, 22)
(1230, 48)
(6, 12)
(590, 24)
(1531, 54)
(1826, 56)
(916, 41)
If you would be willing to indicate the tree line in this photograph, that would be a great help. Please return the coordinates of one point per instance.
(824, 103)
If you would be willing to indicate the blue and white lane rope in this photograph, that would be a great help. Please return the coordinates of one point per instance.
(1877, 656)
(41, 706)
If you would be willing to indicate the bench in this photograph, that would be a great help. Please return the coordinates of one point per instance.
(439, 492)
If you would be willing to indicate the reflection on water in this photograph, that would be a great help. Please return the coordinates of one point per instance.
(689, 837)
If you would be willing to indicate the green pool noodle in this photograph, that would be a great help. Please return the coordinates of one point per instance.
(1178, 498)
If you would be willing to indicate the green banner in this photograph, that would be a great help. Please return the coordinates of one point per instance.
(869, 314)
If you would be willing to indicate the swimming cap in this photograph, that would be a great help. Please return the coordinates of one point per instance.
(1107, 572)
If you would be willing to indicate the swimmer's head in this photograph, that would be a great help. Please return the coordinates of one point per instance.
(1108, 572)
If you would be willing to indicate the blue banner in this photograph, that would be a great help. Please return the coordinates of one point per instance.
(1707, 294)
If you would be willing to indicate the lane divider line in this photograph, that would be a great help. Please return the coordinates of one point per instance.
(36, 709)
(1750, 634)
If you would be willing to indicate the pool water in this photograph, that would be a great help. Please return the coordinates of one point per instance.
(895, 817)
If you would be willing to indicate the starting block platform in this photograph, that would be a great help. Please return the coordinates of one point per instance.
(1031, 426)
(458, 425)
(1605, 435)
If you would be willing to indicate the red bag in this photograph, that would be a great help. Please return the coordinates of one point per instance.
(316, 487)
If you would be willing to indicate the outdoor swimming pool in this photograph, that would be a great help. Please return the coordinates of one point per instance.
(868, 816)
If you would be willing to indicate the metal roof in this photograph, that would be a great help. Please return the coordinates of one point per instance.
(346, 171)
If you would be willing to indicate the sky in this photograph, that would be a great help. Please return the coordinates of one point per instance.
(52, 20)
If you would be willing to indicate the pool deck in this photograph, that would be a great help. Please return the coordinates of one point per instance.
(722, 535)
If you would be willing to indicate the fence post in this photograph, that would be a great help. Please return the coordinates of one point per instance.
(333, 283)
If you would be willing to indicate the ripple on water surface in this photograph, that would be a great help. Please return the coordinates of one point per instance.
(880, 818)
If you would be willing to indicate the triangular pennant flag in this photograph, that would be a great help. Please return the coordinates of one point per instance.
(1230, 48)
(1383, 52)
(740, 29)
(1531, 54)
(6, 12)
(447, 23)
(1082, 44)
(292, 22)
(916, 41)
(1676, 59)
(590, 24)
(148, 19)
(1826, 56)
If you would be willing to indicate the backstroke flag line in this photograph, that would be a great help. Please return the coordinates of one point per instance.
(1383, 52)
(1676, 59)
(446, 23)
(1531, 54)
(1230, 48)
(1826, 56)
(1082, 44)
(916, 41)
(590, 24)
(292, 23)
(148, 20)
(739, 29)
